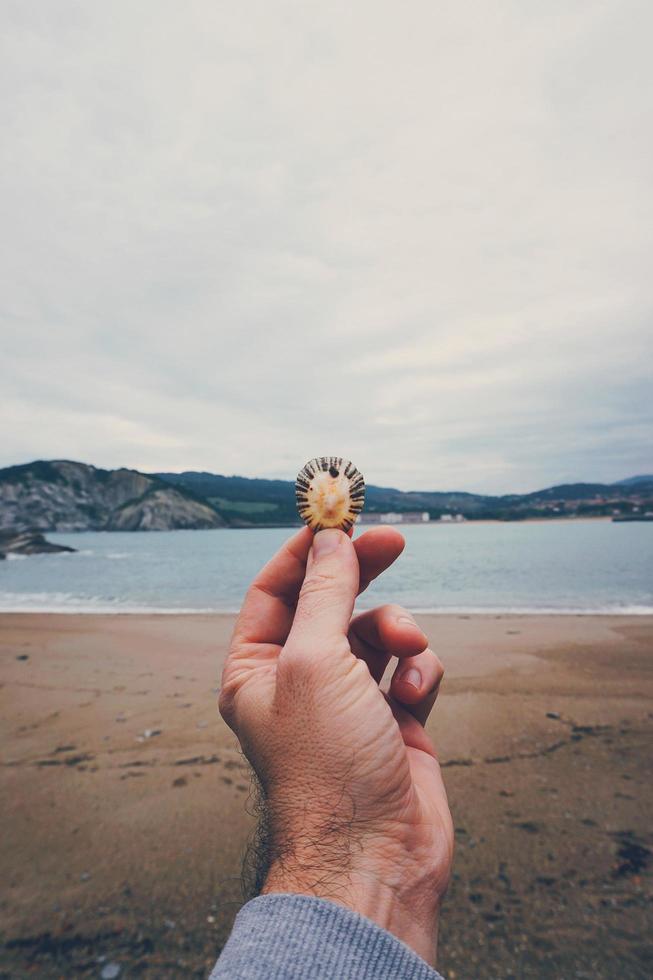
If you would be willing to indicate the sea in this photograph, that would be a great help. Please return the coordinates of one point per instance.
(576, 567)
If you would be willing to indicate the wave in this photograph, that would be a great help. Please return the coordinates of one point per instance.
(65, 602)
(606, 610)
(53, 555)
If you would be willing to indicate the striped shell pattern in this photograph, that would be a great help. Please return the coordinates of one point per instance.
(330, 493)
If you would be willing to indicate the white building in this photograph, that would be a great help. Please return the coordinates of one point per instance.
(396, 517)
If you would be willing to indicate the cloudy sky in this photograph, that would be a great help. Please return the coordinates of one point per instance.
(235, 236)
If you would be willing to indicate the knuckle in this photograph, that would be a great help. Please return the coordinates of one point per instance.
(393, 609)
(230, 685)
(357, 667)
(225, 703)
(227, 699)
(297, 658)
(297, 675)
(439, 666)
(301, 657)
(389, 613)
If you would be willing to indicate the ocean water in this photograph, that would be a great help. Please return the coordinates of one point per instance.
(553, 567)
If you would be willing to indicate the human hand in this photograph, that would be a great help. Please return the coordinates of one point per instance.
(356, 808)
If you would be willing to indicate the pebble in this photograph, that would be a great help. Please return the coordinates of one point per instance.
(110, 971)
(85, 875)
(553, 714)
(148, 733)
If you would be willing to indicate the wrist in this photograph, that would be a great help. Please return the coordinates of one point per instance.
(392, 894)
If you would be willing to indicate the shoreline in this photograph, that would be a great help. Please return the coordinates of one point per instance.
(365, 526)
(456, 613)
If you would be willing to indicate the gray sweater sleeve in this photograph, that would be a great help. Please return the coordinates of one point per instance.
(296, 937)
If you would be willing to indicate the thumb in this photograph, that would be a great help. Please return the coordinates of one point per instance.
(326, 600)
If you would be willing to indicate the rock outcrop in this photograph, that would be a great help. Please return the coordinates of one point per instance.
(161, 509)
(67, 496)
(27, 543)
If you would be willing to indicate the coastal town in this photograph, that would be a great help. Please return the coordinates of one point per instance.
(409, 517)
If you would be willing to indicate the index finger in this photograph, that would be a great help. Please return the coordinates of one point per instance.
(269, 606)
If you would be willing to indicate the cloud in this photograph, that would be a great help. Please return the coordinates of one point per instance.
(237, 237)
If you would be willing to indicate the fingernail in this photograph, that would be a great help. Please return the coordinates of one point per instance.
(326, 541)
(412, 676)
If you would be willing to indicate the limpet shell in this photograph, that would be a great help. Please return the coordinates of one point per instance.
(330, 493)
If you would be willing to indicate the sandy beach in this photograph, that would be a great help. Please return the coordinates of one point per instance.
(125, 797)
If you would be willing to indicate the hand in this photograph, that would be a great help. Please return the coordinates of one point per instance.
(357, 809)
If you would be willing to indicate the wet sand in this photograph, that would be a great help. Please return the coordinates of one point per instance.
(125, 797)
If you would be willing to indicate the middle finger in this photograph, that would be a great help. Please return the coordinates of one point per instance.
(387, 631)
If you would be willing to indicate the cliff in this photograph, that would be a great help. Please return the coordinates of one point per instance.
(161, 509)
(67, 496)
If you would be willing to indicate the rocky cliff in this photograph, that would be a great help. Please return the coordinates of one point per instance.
(159, 509)
(66, 496)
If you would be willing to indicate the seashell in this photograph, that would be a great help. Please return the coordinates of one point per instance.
(330, 493)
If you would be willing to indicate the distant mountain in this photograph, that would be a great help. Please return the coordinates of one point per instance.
(571, 491)
(67, 496)
(634, 481)
(247, 502)
(242, 501)
(61, 495)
